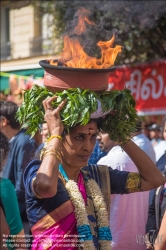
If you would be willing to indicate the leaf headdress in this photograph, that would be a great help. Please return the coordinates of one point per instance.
(78, 109)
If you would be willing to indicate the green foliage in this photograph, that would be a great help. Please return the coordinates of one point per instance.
(80, 105)
(122, 122)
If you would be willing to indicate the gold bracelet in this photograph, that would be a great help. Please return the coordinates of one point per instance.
(54, 154)
(45, 151)
(48, 146)
(54, 136)
(53, 151)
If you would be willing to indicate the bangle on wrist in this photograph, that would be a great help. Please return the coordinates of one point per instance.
(54, 154)
(45, 152)
(54, 136)
(52, 145)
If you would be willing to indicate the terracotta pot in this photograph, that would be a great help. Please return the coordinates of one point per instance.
(58, 78)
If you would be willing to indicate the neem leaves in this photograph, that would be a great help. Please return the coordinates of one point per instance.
(80, 105)
(123, 121)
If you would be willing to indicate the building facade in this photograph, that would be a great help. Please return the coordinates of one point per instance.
(25, 40)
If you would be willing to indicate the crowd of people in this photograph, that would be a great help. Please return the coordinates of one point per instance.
(61, 184)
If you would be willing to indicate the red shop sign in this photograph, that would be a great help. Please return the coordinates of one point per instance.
(147, 83)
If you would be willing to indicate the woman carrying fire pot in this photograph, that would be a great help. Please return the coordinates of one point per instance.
(68, 201)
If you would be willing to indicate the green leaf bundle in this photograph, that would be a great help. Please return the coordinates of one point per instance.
(78, 109)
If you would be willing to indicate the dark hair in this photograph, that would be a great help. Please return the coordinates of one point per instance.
(8, 110)
(139, 126)
(4, 147)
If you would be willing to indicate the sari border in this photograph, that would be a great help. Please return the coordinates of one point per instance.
(105, 185)
(53, 217)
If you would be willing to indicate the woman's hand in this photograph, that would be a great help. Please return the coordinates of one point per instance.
(52, 116)
(46, 182)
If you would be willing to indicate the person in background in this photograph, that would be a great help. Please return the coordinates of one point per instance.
(38, 138)
(155, 132)
(11, 223)
(146, 130)
(143, 142)
(156, 214)
(22, 149)
(5, 231)
(160, 152)
(160, 148)
(44, 132)
(157, 197)
(96, 155)
(128, 213)
(160, 243)
(164, 130)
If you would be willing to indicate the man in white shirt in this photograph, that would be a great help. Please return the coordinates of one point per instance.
(143, 142)
(154, 134)
(128, 213)
(160, 149)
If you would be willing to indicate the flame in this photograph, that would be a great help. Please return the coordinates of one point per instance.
(73, 54)
(82, 17)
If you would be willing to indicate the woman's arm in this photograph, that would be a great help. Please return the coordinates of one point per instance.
(151, 177)
(4, 230)
(12, 214)
(160, 243)
(45, 184)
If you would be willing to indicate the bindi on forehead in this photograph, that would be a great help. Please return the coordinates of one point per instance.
(90, 128)
(91, 131)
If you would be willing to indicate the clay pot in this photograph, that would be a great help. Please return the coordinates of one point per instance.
(58, 78)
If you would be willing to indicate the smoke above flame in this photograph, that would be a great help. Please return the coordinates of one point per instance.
(73, 54)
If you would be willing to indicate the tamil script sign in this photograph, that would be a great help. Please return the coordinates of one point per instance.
(147, 83)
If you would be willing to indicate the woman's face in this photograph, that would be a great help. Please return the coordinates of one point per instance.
(78, 145)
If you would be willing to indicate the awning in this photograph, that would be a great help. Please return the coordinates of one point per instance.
(4, 76)
(147, 83)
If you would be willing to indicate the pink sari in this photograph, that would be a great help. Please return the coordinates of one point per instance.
(57, 230)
